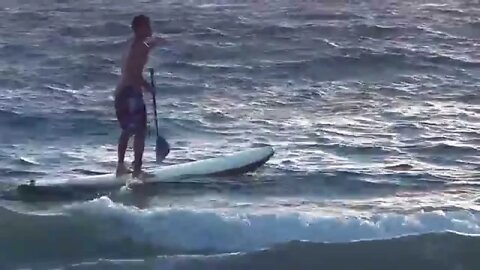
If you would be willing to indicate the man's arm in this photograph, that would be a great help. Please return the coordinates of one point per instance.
(152, 42)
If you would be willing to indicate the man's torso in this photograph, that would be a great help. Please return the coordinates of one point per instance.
(133, 62)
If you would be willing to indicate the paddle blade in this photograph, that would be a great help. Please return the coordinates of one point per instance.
(162, 149)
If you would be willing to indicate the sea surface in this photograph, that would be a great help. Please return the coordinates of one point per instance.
(372, 107)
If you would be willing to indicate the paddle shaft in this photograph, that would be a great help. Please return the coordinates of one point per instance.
(152, 82)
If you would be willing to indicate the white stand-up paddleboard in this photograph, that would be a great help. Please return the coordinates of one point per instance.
(236, 163)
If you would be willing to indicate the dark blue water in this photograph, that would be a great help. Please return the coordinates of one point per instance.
(372, 107)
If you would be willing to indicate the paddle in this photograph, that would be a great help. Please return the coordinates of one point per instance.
(161, 148)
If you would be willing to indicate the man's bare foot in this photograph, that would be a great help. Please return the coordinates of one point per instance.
(122, 170)
(141, 175)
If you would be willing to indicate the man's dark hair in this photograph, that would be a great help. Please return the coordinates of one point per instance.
(139, 21)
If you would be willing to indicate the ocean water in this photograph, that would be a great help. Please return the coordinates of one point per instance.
(372, 106)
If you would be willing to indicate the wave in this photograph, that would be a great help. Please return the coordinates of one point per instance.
(439, 149)
(448, 60)
(104, 228)
(357, 58)
(100, 30)
(383, 31)
(18, 120)
(43, 125)
(319, 15)
(443, 251)
(345, 149)
(6, 172)
(66, 238)
(354, 61)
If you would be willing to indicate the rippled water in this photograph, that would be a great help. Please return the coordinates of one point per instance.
(372, 107)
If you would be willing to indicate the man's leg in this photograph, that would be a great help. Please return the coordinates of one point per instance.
(138, 148)
(122, 113)
(139, 140)
(122, 148)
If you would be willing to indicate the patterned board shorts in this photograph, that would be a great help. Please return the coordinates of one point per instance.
(130, 110)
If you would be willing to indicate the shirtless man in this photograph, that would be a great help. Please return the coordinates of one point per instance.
(129, 105)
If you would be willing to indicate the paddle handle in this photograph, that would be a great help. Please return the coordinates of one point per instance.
(152, 83)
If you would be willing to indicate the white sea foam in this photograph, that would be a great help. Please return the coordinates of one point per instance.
(189, 229)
